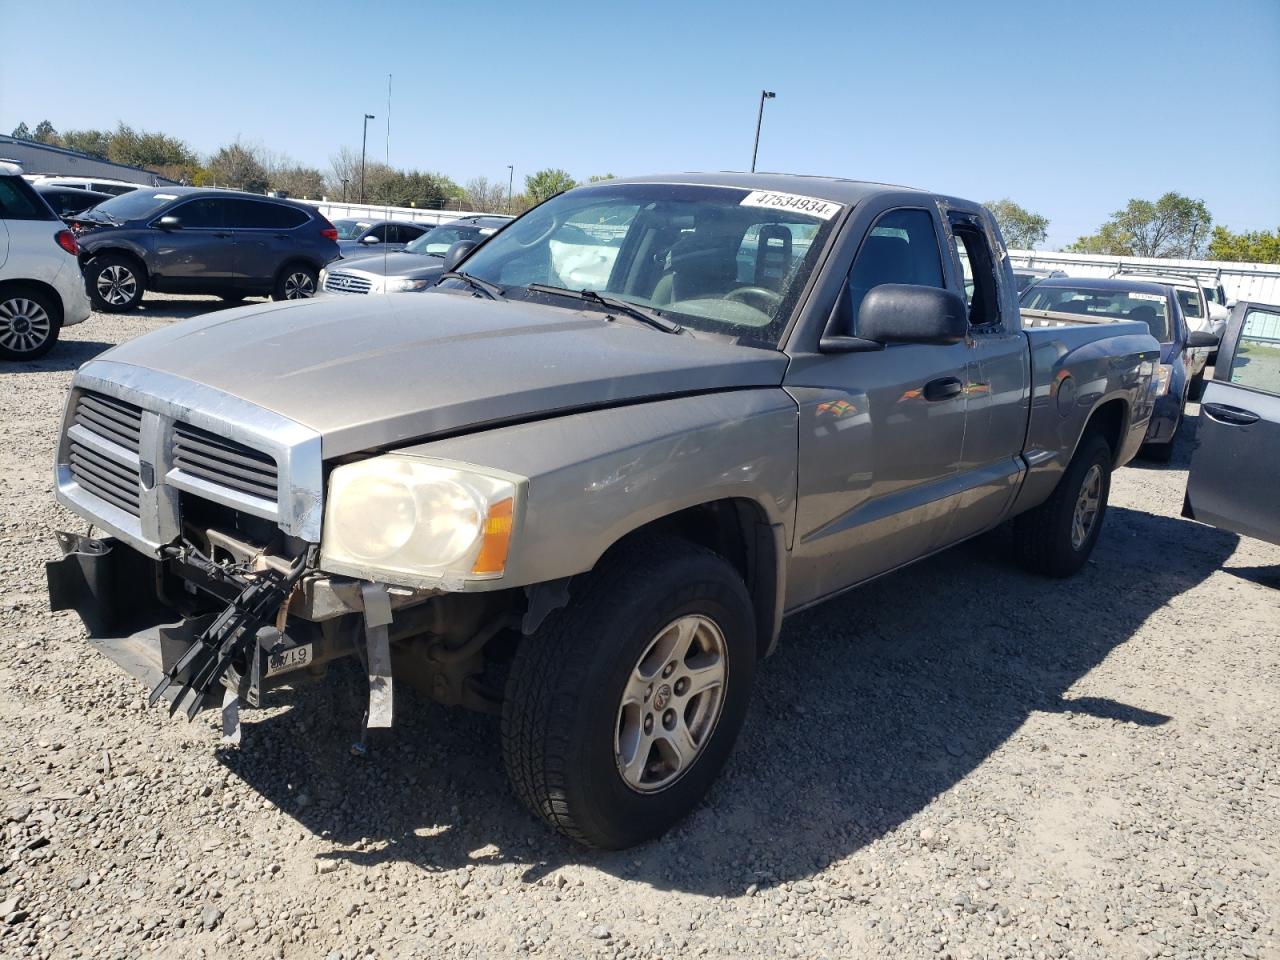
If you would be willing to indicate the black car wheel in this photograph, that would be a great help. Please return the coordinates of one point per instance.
(29, 324)
(297, 281)
(116, 283)
(622, 709)
(1057, 537)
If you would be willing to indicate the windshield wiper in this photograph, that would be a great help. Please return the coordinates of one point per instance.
(490, 290)
(622, 306)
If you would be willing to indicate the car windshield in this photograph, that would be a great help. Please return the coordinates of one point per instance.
(436, 242)
(134, 205)
(351, 229)
(720, 260)
(1149, 308)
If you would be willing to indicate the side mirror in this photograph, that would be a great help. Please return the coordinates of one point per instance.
(169, 223)
(905, 313)
(371, 238)
(1202, 338)
(457, 253)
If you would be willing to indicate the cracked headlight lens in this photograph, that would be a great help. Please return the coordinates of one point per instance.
(417, 522)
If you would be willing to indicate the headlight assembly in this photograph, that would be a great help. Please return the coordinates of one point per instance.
(403, 284)
(417, 522)
(1164, 374)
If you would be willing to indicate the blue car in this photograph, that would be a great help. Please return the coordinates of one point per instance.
(1089, 300)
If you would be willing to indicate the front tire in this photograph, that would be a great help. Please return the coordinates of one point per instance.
(297, 281)
(116, 283)
(29, 324)
(621, 711)
(1056, 538)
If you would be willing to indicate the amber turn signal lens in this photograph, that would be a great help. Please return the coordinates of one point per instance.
(496, 539)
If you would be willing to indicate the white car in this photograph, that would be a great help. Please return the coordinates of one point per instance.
(41, 286)
(98, 184)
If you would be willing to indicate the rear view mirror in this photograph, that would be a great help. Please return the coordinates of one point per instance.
(457, 253)
(169, 223)
(905, 313)
(1202, 338)
(371, 239)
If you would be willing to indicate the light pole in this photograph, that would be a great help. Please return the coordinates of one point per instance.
(764, 95)
(345, 181)
(364, 142)
(511, 179)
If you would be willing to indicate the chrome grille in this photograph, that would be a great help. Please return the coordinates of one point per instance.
(102, 450)
(106, 479)
(111, 419)
(346, 283)
(227, 463)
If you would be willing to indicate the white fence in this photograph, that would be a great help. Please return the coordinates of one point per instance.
(1242, 281)
(335, 210)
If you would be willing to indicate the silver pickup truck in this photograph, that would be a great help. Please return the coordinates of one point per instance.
(582, 483)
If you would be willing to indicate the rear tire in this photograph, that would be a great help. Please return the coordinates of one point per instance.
(29, 323)
(1056, 538)
(610, 733)
(116, 283)
(297, 281)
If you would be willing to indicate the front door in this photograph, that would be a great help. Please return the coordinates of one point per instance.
(202, 249)
(1234, 482)
(881, 433)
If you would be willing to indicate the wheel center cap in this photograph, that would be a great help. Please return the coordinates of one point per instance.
(662, 697)
(21, 325)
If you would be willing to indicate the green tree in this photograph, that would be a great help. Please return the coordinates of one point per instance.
(142, 148)
(547, 183)
(46, 134)
(1257, 246)
(237, 166)
(1173, 226)
(21, 132)
(96, 143)
(600, 177)
(1021, 228)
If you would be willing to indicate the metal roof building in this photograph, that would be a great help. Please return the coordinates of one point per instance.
(42, 158)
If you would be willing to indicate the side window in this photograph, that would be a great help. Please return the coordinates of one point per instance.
(199, 214)
(978, 269)
(408, 233)
(902, 247)
(1256, 362)
(276, 216)
(19, 202)
(380, 231)
(1190, 300)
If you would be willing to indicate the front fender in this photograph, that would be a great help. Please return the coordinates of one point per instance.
(596, 476)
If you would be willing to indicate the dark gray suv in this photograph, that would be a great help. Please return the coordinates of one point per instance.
(189, 240)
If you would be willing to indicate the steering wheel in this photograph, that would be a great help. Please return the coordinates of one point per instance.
(762, 298)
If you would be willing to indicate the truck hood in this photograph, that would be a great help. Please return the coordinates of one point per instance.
(378, 371)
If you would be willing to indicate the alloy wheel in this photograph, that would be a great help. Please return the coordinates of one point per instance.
(117, 285)
(299, 285)
(671, 704)
(24, 325)
(1087, 503)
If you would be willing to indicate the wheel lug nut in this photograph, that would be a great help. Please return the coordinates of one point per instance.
(669, 669)
(648, 724)
(682, 685)
(648, 691)
(669, 719)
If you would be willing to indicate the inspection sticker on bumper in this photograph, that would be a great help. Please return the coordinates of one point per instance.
(287, 660)
(813, 206)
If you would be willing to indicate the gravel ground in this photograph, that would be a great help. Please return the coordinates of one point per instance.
(960, 760)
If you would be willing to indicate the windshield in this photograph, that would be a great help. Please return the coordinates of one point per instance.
(436, 243)
(714, 259)
(134, 205)
(351, 229)
(1149, 308)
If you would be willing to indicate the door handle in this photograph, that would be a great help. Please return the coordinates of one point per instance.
(1232, 415)
(944, 388)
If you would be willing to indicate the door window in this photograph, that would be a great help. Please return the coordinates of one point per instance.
(380, 231)
(978, 269)
(1256, 363)
(902, 247)
(203, 214)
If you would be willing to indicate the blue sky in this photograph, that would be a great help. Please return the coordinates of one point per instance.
(1069, 108)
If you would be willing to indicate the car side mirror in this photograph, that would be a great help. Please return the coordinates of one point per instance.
(169, 223)
(371, 239)
(457, 253)
(1202, 338)
(903, 313)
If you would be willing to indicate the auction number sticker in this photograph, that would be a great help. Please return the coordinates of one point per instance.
(287, 660)
(1147, 296)
(813, 206)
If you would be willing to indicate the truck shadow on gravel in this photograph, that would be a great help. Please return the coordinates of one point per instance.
(66, 355)
(874, 704)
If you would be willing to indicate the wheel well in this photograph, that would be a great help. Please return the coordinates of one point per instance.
(303, 261)
(1109, 420)
(119, 252)
(738, 530)
(34, 286)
